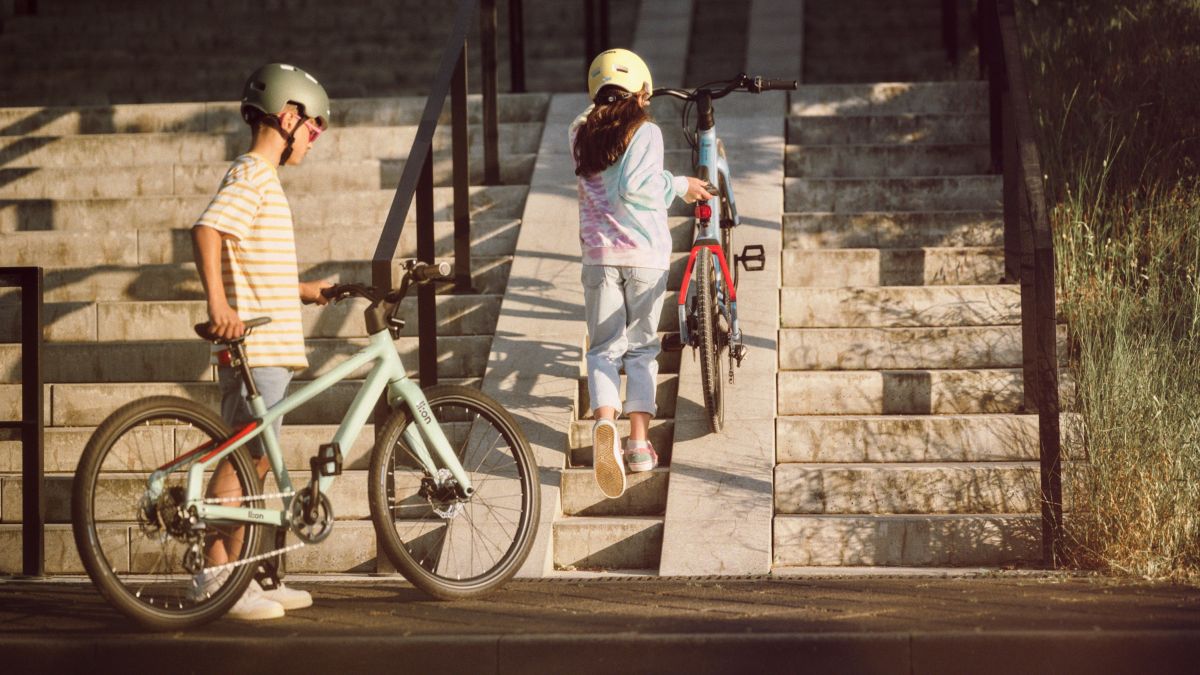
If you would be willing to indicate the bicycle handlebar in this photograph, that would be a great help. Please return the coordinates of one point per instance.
(742, 82)
(415, 270)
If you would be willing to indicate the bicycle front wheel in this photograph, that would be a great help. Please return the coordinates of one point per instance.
(447, 546)
(713, 341)
(143, 551)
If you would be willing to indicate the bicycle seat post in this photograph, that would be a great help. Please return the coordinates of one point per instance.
(237, 360)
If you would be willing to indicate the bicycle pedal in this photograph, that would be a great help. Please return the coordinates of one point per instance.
(328, 461)
(753, 253)
(672, 343)
(738, 352)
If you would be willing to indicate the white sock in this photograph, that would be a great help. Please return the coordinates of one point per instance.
(631, 444)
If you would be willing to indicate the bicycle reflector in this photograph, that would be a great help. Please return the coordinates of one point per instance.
(703, 211)
(225, 358)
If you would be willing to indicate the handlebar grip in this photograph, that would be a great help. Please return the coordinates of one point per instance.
(430, 271)
(778, 85)
(330, 292)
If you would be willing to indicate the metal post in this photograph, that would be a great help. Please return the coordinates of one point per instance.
(1010, 167)
(516, 46)
(950, 30)
(33, 512)
(33, 502)
(603, 20)
(426, 293)
(461, 168)
(491, 123)
(589, 32)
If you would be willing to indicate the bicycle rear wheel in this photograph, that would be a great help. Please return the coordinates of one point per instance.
(713, 340)
(143, 554)
(448, 547)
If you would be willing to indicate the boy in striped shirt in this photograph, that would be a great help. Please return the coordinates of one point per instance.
(245, 251)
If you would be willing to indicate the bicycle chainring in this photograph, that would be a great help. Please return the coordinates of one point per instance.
(310, 522)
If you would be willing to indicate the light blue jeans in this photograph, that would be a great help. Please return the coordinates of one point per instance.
(623, 305)
(272, 383)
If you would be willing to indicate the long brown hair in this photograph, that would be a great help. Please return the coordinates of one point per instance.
(603, 137)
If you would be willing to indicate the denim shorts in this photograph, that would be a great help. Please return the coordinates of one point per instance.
(623, 305)
(272, 384)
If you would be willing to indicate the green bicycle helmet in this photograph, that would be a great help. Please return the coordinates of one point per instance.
(274, 85)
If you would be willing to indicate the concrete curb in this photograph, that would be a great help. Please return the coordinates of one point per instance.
(876, 652)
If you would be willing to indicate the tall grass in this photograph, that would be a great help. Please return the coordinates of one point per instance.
(1116, 87)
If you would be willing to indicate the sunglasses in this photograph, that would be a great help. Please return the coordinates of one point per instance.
(314, 130)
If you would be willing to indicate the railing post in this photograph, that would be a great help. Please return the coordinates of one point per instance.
(604, 42)
(491, 122)
(589, 32)
(516, 46)
(461, 168)
(1039, 316)
(426, 293)
(950, 30)
(1010, 158)
(31, 425)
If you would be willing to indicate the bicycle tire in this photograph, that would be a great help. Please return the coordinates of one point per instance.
(712, 375)
(420, 551)
(142, 574)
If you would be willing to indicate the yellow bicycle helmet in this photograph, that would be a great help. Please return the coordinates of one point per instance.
(619, 67)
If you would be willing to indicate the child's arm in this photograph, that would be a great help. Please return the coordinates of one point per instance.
(206, 247)
(643, 180)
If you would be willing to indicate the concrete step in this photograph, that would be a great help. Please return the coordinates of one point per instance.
(886, 161)
(897, 229)
(645, 494)
(908, 392)
(180, 361)
(991, 487)
(934, 193)
(899, 306)
(836, 268)
(958, 347)
(173, 320)
(64, 445)
(314, 179)
(87, 404)
(321, 210)
(579, 440)
(907, 540)
(632, 543)
(339, 144)
(877, 69)
(665, 393)
(131, 282)
(223, 116)
(890, 98)
(349, 548)
(489, 237)
(913, 438)
(937, 129)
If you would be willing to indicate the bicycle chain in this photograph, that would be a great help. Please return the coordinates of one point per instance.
(261, 556)
(223, 500)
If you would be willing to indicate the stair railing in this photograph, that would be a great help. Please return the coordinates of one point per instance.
(1028, 247)
(32, 422)
(417, 177)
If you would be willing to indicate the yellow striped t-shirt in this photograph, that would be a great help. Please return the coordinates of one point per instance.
(258, 259)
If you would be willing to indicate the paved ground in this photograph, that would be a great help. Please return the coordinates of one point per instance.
(1001, 623)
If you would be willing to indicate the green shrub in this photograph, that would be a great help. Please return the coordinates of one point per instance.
(1116, 90)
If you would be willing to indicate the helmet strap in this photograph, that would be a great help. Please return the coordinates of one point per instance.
(289, 138)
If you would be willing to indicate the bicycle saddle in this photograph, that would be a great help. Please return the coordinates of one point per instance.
(204, 330)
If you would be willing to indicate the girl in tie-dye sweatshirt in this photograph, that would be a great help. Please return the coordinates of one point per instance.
(624, 193)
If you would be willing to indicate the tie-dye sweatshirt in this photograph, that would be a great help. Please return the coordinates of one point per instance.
(623, 209)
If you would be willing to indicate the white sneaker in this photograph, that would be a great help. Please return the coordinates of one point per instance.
(608, 463)
(288, 598)
(254, 606)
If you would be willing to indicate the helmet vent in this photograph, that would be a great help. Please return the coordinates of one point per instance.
(258, 86)
(622, 69)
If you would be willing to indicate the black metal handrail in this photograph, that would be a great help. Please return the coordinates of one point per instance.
(595, 29)
(33, 511)
(417, 177)
(1028, 249)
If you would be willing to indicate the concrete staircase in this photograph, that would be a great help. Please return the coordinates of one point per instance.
(902, 436)
(76, 52)
(107, 215)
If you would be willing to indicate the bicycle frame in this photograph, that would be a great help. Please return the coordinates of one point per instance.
(707, 239)
(387, 373)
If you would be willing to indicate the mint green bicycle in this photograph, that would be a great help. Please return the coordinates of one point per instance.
(170, 517)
